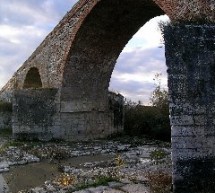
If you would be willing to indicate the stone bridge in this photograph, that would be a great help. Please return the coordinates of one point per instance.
(61, 91)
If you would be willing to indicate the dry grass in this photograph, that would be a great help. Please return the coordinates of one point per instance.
(159, 182)
(66, 180)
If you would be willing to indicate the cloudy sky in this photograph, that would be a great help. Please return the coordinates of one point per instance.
(25, 23)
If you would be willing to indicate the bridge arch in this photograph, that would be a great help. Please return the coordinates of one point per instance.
(32, 79)
(97, 44)
(78, 58)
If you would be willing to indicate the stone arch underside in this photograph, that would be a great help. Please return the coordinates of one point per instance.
(79, 55)
(32, 79)
(98, 43)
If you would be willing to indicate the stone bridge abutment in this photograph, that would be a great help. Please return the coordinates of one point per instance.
(75, 63)
(190, 58)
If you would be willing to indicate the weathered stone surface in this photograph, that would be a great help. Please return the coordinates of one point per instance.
(190, 57)
(3, 185)
(135, 188)
(34, 113)
(5, 114)
(78, 58)
(113, 191)
(87, 168)
(116, 185)
(5, 120)
(82, 191)
(189, 11)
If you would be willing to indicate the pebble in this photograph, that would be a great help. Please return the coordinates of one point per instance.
(115, 184)
(38, 190)
(31, 159)
(82, 191)
(2, 170)
(114, 191)
(99, 189)
(136, 161)
(3, 185)
(123, 148)
(4, 164)
(135, 188)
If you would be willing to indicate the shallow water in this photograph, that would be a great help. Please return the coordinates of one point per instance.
(32, 175)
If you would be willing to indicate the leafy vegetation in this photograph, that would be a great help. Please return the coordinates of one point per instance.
(6, 132)
(159, 96)
(152, 121)
(9, 143)
(158, 154)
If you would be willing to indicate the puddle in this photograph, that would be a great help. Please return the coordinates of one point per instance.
(32, 175)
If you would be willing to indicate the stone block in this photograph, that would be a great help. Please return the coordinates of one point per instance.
(200, 120)
(186, 131)
(182, 120)
(189, 53)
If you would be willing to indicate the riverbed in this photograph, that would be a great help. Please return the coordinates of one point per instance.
(35, 174)
(29, 167)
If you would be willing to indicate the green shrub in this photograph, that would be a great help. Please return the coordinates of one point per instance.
(158, 154)
(150, 120)
(6, 132)
(147, 120)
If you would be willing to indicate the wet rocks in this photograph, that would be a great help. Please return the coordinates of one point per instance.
(3, 185)
(128, 176)
(135, 188)
(14, 156)
(4, 166)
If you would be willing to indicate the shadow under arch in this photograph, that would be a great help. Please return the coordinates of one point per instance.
(32, 79)
(97, 44)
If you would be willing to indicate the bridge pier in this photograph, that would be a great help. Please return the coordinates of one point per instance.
(39, 114)
(190, 57)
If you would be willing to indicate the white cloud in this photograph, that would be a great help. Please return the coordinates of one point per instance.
(148, 36)
(17, 35)
(140, 60)
(134, 73)
(24, 24)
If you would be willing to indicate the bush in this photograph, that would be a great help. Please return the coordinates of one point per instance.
(6, 132)
(150, 120)
(147, 120)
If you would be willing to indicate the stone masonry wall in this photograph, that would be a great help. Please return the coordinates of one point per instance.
(190, 57)
(36, 114)
(81, 122)
(116, 106)
(78, 58)
(188, 11)
(50, 56)
(5, 115)
(5, 120)
(87, 72)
